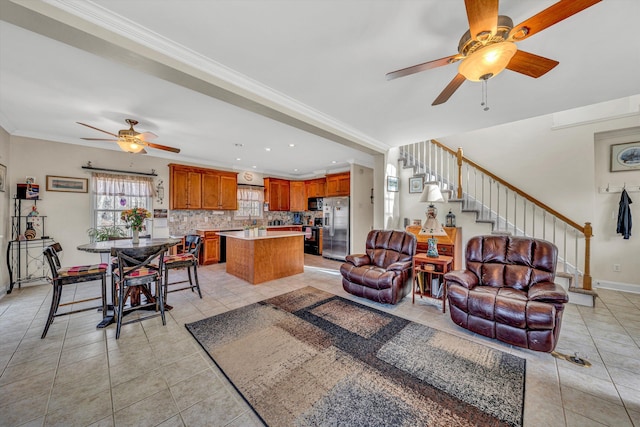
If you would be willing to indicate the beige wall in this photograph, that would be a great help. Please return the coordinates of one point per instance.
(4, 210)
(361, 210)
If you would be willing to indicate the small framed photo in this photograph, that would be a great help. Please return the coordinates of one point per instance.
(67, 184)
(392, 183)
(625, 157)
(3, 177)
(415, 184)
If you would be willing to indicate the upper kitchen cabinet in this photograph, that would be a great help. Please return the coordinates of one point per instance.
(199, 188)
(185, 187)
(338, 184)
(315, 187)
(297, 196)
(219, 190)
(277, 194)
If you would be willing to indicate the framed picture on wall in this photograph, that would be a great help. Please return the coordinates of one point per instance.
(625, 157)
(392, 183)
(3, 177)
(67, 184)
(415, 184)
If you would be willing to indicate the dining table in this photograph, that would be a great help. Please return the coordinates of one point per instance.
(104, 249)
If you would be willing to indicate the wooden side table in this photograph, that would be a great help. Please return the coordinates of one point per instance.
(425, 271)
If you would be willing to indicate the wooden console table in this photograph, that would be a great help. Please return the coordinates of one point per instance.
(425, 270)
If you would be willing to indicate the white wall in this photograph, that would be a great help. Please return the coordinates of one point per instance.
(361, 209)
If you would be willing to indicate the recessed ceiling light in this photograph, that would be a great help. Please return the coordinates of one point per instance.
(333, 161)
(295, 170)
(254, 166)
(292, 145)
(267, 149)
(238, 158)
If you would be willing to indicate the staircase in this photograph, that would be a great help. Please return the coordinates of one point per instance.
(507, 209)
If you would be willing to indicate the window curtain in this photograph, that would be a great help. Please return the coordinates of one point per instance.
(122, 185)
(254, 194)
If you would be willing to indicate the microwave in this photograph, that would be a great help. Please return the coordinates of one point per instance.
(315, 203)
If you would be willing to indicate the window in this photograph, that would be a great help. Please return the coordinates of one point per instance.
(114, 193)
(250, 201)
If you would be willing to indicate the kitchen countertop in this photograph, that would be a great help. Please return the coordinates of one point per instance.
(240, 228)
(270, 234)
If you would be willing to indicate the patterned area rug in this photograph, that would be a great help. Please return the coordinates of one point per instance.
(310, 358)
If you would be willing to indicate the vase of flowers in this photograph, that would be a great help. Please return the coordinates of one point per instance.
(135, 219)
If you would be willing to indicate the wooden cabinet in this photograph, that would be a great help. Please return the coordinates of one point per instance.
(210, 252)
(219, 190)
(185, 188)
(297, 196)
(277, 194)
(449, 245)
(286, 228)
(199, 188)
(315, 187)
(338, 184)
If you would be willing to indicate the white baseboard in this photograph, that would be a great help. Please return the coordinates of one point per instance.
(617, 286)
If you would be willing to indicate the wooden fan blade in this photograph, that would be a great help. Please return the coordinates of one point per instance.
(93, 127)
(448, 91)
(161, 147)
(99, 139)
(548, 17)
(483, 17)
(147, 135)
(423, 67)
(530, 64)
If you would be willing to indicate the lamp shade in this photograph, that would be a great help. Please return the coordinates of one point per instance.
(488, 61)
(130, 146)
(432, 227)
(431, 193)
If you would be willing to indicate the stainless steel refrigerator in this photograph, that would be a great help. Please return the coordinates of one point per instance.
(335, 230)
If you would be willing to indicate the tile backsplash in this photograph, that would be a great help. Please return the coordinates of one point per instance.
(183, 222)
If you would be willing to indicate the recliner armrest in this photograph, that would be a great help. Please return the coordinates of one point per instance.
(399, 266)
(548, 292)
(358, 259)
(463, 278)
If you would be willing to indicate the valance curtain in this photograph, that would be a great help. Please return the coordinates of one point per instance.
(107, 184)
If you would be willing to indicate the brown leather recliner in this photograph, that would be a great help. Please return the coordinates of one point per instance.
(384, 272)
(508, 292)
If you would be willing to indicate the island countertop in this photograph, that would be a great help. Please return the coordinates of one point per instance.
(271, 234)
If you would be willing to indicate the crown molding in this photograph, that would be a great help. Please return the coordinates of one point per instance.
(219, 74)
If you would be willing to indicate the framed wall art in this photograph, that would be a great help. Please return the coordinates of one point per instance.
(392, 183)
(625, 157)
(3, 177)
(67, 184)
(415, 184)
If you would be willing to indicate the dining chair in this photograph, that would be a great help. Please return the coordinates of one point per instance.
(137, 269)
(62, 276)
(187, 259)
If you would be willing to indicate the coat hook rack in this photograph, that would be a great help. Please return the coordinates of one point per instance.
(616, 189)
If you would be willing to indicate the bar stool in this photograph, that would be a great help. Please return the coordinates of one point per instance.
(187, 259)
(138, 268)
(62, 276)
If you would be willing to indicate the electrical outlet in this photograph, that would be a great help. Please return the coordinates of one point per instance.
(616, 267)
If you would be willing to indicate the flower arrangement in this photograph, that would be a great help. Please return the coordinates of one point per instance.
(135, 218)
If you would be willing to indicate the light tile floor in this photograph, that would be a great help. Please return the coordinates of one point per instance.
(158, 375)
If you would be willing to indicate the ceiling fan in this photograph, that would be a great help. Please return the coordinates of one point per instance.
(488, 47)
(131, 141)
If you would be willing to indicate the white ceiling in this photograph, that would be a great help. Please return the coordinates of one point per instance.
(207, 75)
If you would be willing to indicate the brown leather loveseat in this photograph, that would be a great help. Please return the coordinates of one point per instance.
(384, 272)
(508, 292)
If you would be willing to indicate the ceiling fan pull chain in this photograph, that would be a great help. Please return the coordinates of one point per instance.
(485, 102)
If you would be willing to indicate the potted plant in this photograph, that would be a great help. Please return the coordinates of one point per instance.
(100, 234)
(262, 231)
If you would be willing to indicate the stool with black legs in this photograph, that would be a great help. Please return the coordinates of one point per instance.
(187, 259)
(139, 268)
(62, 276)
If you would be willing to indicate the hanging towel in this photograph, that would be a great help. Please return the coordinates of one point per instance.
(624, 215)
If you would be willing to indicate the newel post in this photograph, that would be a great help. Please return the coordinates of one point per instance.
(588, 233)
(459, 157)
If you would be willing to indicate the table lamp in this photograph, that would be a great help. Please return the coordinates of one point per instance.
(431, 194)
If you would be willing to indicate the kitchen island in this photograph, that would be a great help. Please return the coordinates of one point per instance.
(258, 259)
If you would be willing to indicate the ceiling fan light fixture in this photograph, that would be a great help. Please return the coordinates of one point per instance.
(130, 146)
(488, 61)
